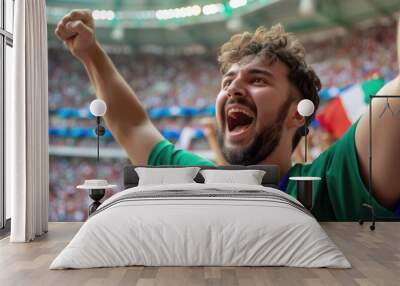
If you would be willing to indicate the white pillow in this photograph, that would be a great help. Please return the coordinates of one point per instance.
(163, 176)
(248, 177)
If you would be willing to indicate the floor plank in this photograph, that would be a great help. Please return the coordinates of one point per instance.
(374, 255)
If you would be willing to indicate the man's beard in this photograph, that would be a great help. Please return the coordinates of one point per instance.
(262, 146)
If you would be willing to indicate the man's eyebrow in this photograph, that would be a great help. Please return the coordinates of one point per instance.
(252, 72)
(231, 73)
(261, 71)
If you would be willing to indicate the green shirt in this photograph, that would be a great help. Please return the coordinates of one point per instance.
(337, 196)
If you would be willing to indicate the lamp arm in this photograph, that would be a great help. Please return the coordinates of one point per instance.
(305, 143)
(305, 139)
(98, 138)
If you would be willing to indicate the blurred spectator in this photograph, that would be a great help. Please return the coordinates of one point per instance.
(210, 132)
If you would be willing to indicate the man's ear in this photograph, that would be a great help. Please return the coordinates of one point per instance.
(295, 119)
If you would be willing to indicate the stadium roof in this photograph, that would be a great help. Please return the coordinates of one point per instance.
(210, 22)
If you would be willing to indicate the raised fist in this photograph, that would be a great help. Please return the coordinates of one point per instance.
(77, 31)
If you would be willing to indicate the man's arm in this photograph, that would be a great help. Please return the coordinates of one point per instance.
(125, 117)
(385, 142)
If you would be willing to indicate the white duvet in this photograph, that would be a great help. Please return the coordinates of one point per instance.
(183, 231)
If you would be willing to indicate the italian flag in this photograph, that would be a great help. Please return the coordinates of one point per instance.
(346, 108)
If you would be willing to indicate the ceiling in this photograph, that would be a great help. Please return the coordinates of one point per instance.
(211, 31)
(127, 4)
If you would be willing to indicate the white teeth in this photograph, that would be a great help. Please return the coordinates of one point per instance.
(240, 110)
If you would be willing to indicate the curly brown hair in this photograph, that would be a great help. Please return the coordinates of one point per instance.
(276, 44)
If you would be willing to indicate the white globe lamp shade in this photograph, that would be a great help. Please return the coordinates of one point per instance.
(305, 107)
(98, 107)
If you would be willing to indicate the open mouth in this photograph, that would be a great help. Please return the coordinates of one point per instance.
(239, 120)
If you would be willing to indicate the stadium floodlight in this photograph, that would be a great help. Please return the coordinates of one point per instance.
(237, 3)
(161, 14)
(213, 9)
(148, 14)
(307, 7)
(196, 10)
(103, 14)
(181, 12)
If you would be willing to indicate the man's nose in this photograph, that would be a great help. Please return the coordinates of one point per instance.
(236, 88)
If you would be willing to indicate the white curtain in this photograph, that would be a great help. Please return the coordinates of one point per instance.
(27, 124)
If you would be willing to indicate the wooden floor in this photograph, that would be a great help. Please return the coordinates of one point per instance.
(374, 255)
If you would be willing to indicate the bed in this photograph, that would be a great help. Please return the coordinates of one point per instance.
(201, 224)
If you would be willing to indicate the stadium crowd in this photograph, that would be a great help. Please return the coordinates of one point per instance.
(355, 57)
(68, 203)
(193, 80)
(184, 80)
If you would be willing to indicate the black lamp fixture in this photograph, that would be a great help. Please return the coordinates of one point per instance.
(305, 108)
(368, 205)
(305, 183)
(97, 188)
(98, 108)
